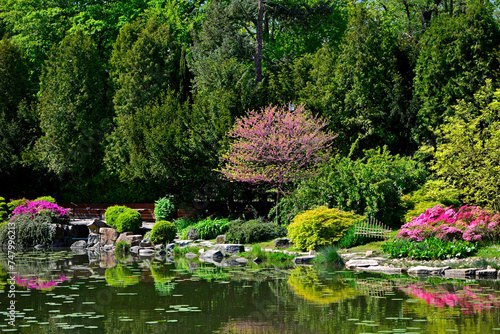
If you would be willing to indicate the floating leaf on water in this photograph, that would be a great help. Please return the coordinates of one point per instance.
(172, 320)
(151, 322)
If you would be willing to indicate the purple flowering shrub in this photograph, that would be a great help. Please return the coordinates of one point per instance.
(470, 223)
(33, 208)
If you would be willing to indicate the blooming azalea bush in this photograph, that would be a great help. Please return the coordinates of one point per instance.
(469, 223)
(33, 208)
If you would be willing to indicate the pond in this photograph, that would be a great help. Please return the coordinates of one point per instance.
(61, 292)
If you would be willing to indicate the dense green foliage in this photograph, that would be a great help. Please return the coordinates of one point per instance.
(125, 101)
(163, 232)
(208, 228)
(429, 249)
(30, 231)
(251, 231)
(467, 155)
(128, 220)
(112, 213)
(320, 227)
(352, 240)
(122, 248)
(46, 198)
(164, 208)
(4, 210)
(370, 186)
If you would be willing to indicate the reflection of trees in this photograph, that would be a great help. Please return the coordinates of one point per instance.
(121, 276)
(305, 283)
(164, 278)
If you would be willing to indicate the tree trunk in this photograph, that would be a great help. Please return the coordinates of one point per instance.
(258, 42)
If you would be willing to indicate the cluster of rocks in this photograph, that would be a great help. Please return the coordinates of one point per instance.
(378, 264)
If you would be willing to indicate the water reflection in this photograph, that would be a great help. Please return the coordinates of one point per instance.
(60, 291)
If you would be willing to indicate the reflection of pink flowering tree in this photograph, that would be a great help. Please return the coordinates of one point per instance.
(470, 300)
(275, 146)
(38, 283)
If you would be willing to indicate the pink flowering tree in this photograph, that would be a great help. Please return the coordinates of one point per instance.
(276, 146)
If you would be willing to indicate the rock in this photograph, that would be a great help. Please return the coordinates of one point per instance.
(183, 243)
(230, 248)
(161, 252)
(232, 262)
(212, 254)
(487, 273)
(460, 273)
(135, 249)
(159, 247)
(190, 255)
(146, 251)
(312, 252)
(39, 247)
(383, 269)
(193, 234)
(107, 260)
(108, 248)
(145, 243)
(369, 253)
(170, 248)
(97, 247)
(355, 264)
(427, 271)
(95, 225)
(206, 243)
(201, 251)
(257, 260)
(241, 260)
(108, 235)
(80, 244)
(301, 260)
(220, 239)
(92, 239)
(282, 243)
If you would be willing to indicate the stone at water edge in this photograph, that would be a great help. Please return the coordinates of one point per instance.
(170, 247)
(92, 239)
(282, 243)
(230, 248)
(460, 273)
(360, 263)
(487, 273)
(300, 260)
(145, 243)
(80, 244)
(108, 235)
(257, 260)
(159, 247)
(146, 251)
(135, 249)
(427, 271)
(190, 255)
(212, 254)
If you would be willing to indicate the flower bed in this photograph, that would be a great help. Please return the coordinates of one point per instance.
(33, 208)
(469, 223)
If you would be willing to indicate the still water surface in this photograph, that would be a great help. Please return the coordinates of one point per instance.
(61, 292)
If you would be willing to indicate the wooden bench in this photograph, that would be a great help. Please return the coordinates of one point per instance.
(97, 210)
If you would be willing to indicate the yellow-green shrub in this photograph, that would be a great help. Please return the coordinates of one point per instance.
(320, 227)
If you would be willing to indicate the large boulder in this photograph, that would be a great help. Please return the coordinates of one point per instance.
(212, 255)
(80, 244)
(132, 239)
(282, 243)
(193, 234)
(427, 271)
(220, 239)
(302, 260)
(92, 239)
(230, 248)
(360, 263)
(108, 235)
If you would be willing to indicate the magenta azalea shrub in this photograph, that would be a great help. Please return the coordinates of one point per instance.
(470, 223)
(32, 208)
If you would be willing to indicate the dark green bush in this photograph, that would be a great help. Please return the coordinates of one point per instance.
(429, 249)
(29, 231)
(164, 208)
(128, 220)
(112, 213)
(208, 228)
(163, 231)
(122, 247)
(251, 231)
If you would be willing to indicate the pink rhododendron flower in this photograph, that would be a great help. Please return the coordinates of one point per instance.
(34, 207)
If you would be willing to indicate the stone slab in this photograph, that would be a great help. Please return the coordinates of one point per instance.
(422, 271)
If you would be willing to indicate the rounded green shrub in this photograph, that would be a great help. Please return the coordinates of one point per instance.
(128, 220)
(4, 210)
(163, 232)
(164, 208)
(12, 205)
(320, 227)
(112, 213)
(255, 230)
